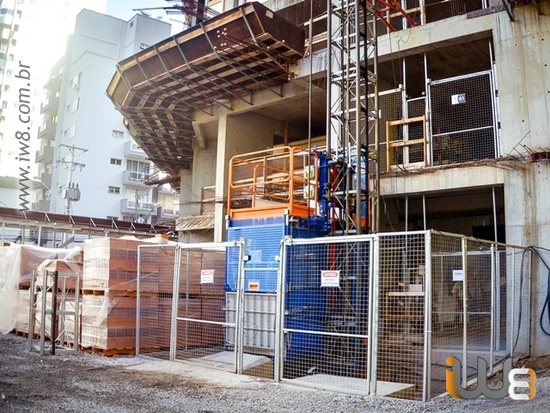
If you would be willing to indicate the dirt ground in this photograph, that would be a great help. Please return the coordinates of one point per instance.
(95, 383)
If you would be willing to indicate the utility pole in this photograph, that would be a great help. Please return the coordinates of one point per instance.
(72, 192)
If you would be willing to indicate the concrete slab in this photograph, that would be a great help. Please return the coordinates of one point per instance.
(352, 385)
(197, 372)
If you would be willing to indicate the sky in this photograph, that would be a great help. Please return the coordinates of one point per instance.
(124, 9)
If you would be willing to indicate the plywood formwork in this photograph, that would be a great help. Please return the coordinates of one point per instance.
(228, 57)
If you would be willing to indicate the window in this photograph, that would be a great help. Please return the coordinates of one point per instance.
(118, 133)
(138, 171)
(115, 161)
(138, 166)
(73, 106)
(70, 132)
(6, 88)
(4, 104)
(75, 82)
(114, 189)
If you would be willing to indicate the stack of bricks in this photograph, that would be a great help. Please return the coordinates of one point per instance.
(109, 299)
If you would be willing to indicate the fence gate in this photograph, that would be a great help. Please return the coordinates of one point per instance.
(324, 339)
(190, 318)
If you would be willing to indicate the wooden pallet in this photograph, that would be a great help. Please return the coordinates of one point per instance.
(116, 293)
(110, 351)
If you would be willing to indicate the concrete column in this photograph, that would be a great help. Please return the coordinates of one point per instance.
(528, 223)
(204, 170)
(245, 133)
(186, 193)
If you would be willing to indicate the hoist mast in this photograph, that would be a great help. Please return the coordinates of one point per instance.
(352, 121)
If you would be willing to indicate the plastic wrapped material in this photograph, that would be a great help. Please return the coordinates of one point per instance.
(109, 322)
(110, 264)
(17, 262)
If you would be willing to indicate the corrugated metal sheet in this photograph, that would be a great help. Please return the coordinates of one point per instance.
(196, 222)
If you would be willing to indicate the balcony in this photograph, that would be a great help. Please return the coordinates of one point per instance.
(47, 130)
(128, 207)
(46, 182)
(133, 150)
(167, 214)
(50, 105)
(42, 205)
(53, 83)
(132, 178)
(45, 154)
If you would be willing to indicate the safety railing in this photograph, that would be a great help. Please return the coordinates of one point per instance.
(269, 182)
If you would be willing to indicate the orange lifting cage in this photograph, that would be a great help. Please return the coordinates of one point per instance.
(273, 182)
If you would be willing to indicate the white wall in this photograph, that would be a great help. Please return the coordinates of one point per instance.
(98, 44)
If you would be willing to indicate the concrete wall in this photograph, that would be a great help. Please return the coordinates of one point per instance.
(236, 135)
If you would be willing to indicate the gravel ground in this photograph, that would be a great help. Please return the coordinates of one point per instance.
(94, 383)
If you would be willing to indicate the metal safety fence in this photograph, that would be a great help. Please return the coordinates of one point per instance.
(368, 314)
(203, 314)
(381, 314)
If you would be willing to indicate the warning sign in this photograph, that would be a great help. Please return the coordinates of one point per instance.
(330, 278)
(207, 276)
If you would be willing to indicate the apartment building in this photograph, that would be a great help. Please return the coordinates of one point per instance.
(88, 164)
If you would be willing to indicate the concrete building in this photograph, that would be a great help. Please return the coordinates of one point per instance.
(88, 163)
(463, 93)
(32, 38)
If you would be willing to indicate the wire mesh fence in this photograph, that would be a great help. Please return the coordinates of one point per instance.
(155, 279)
(475, 287)
(463, 119)
(368, 314)
(401, 295)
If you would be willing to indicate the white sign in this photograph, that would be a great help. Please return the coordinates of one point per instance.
(458, 275)
(207, 276)
(459, 99)
(330, 278)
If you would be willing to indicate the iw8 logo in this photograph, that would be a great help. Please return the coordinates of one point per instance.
(510, 381)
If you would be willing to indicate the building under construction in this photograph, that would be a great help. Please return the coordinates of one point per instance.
(363, 134)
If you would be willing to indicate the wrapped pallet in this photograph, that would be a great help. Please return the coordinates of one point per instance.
(110, 264)
(109, 322)
(17, 263)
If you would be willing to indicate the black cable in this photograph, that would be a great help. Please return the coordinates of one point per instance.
(546, 306)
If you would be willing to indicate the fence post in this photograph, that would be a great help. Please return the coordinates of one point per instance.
(175, 298)
(427, 316)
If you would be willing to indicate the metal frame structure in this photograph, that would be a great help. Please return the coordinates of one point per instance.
(351, 30)
(57, 284)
